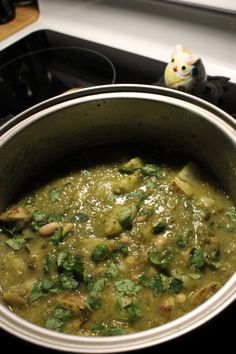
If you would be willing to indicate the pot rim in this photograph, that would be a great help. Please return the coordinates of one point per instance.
(118, 88)
(227, 294)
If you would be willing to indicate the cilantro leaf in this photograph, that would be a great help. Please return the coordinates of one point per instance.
(18, 242)
(112, 271)
(100, 253)
(40, 289)
(148, 282)
(162, 261)
(67, 262)
(61, 258)
(47, 264)
(54, 195)
(40, 218)
(197, 258)
(127, 309)
(97, 287)
(175, 286)
(80, 217)
(103, 330)
(163, 284)
(127, 286)
(56, 320)
(68, 282)
(126, 217)
(152, 170)
(93, 301)
(133, 312)
(121, 249)
(183, 239)
(57, 237)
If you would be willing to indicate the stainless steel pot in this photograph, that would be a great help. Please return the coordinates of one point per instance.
(117, 113)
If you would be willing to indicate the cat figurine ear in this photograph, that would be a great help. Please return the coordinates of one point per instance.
(185, 71)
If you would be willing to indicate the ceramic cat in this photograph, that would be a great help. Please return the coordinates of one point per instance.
(185, 71)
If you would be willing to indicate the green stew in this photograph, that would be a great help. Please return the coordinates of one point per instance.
(116, 245)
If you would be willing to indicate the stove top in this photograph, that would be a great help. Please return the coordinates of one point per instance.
(47, 63)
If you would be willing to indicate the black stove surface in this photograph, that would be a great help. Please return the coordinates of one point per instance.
(47, 63)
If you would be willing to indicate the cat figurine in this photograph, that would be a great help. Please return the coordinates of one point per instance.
(185, 72)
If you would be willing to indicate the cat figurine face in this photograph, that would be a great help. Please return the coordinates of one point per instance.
(185, 71)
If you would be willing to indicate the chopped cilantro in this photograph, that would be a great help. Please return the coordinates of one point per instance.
(100, 253)
(106, 331)
(74, 264)
(133, 312)
(97, 287)
(61, 258)
(123, 249)
(40, 218)
(68, 282)
(93, 301)
(112, 271)
(162, 284)
(47, 264)
(126, 217)
(127, 310)
(127, 286)
(18, 242)
(148, 282)
(175, 285)
(152, 170)
(183, 239)
(56, 320)
(161, 260)
(57, 237)
(197, 258)
(54, 195)
(55, 217)
(40, 289)
(80, 217)
(122, 302)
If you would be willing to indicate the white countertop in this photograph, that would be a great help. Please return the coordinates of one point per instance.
(149, 28)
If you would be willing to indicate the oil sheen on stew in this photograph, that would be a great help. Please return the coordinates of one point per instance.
(116, 241)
